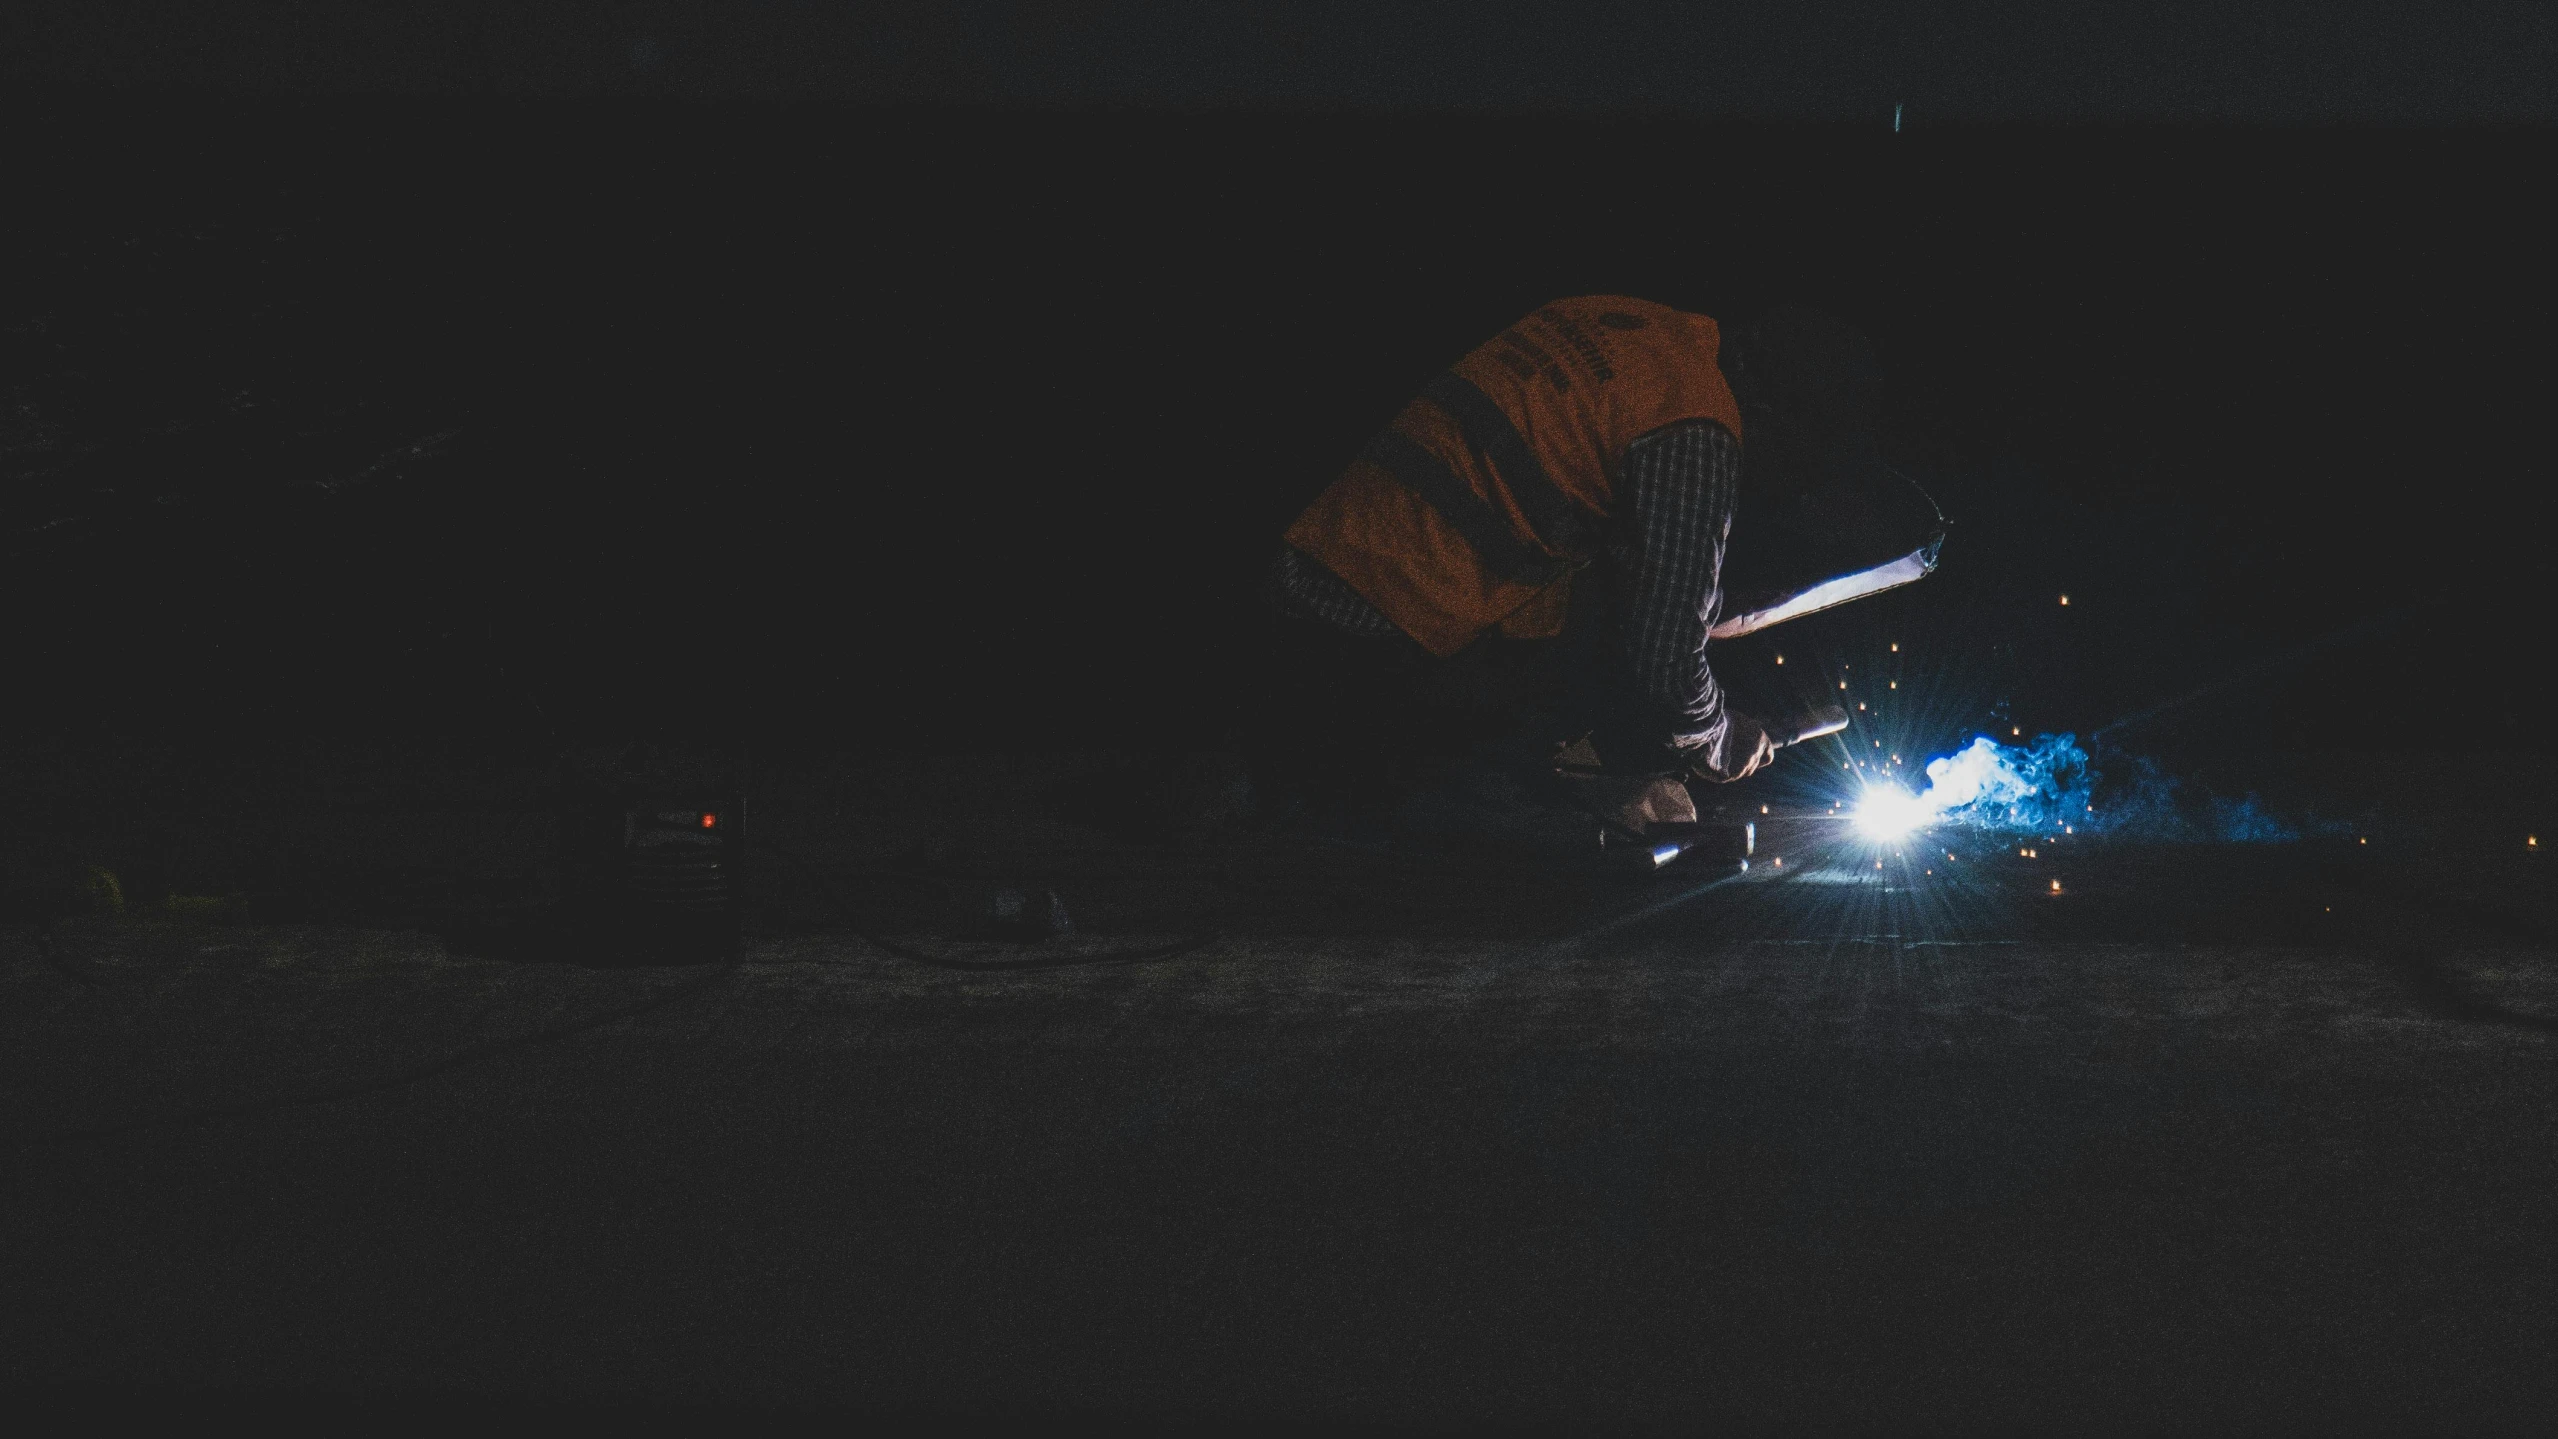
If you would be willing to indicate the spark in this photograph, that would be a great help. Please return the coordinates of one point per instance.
(2531, 841)
(1860, 704)
(1896, 649)
(1842, 684)
(1780, 659)
(1763, 809)
(2064, 599)
(2056, 886)
(1779, 861)
(2016, 730)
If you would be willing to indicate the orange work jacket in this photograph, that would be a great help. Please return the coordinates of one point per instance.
(1473, 508)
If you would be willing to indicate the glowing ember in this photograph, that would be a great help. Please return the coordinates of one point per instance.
(2064, 599)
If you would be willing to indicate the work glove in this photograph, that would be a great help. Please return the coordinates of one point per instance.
(1747, 748)
(1663, 800)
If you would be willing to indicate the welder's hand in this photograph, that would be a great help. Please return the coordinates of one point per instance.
(1747, 747)
(1657, 801)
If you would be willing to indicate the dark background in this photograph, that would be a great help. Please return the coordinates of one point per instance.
(938, 377)
(971, 426)
(2259, 62)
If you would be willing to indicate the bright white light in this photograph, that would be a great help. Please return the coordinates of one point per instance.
(1889, 812)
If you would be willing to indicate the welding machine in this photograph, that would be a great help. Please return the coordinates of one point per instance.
(650, 867)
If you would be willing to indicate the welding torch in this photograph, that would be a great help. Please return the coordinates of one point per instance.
(1824, 720)
(1661, 843)
(1810, 725)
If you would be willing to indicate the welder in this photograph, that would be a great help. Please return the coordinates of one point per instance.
(1541, 547)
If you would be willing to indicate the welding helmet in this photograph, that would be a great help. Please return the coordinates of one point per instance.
(1822, 517)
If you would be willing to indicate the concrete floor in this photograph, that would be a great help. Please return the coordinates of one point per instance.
(2214, 1138)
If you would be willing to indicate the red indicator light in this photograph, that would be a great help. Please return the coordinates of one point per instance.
(709, 821)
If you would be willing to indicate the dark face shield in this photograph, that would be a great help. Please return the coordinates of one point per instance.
(1820, 523)
(1822, 519)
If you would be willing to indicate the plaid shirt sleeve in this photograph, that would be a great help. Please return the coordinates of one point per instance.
(1678, 485)
(1300, 586)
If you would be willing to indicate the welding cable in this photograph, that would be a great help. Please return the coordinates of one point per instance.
(854, 922)
(428, 1069)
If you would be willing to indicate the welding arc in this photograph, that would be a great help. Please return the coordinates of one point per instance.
(854, 922)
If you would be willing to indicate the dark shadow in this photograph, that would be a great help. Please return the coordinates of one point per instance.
(553, 939)
(2442, 992)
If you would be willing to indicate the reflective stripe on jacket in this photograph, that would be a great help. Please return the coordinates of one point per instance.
(1473, 508)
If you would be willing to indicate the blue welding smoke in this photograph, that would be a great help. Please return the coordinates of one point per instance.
(2050, 786)
(1988, 785)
